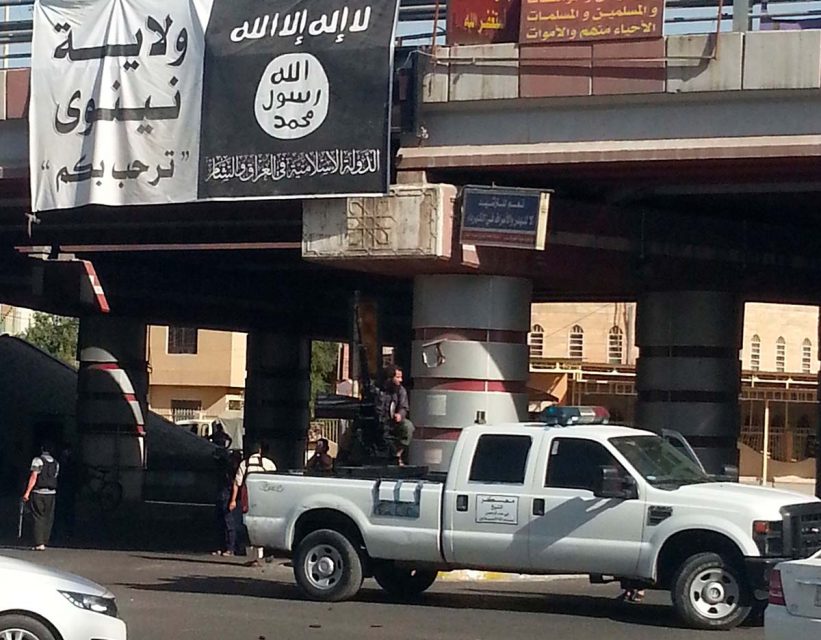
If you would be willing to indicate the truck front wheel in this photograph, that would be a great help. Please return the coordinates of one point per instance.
(327, 566)
(710, 593)
(403, 581)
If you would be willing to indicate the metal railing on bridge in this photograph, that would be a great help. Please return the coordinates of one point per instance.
(424, 21)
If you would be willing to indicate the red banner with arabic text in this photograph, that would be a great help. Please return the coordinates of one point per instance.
(483, 21)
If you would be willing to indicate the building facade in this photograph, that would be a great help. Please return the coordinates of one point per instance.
(15, 320)
(195, 373)
(584, 353)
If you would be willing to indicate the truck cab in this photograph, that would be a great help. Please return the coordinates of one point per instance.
(616, 501)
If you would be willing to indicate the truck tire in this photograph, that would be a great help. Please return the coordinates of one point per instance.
(327, 566)
(402, 581)
(710, 593)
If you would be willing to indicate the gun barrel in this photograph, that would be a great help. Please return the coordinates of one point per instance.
(21, 512)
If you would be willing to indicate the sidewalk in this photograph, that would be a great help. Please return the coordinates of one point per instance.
(787, 483)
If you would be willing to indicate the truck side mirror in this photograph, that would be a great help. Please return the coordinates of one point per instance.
(613, 484)
(729, 473)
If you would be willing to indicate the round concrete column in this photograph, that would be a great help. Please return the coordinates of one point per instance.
(112, 392)
(277, 391)
(688, 373)
(469, 355)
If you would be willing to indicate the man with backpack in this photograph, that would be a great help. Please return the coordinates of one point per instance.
(41, 494)
(256, 463)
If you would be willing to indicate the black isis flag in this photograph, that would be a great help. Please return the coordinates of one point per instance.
(296, 98)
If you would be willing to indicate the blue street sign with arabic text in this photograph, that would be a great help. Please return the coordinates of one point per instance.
(505, 217)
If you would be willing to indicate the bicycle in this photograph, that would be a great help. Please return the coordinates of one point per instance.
(108, 494)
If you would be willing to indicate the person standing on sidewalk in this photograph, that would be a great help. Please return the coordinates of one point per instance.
(226, 517)
(41, 494)
(256, 463)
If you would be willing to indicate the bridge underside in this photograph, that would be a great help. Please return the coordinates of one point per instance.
(616, 229)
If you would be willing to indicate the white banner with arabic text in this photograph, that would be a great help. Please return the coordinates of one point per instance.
(116, 101)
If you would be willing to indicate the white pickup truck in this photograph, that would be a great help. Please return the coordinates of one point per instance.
(612, 502)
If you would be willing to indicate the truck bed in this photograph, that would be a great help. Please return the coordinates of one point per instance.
(399, 518)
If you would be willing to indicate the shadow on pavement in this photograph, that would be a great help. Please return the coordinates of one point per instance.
(210, 560)
(223, 586)
(650, 615)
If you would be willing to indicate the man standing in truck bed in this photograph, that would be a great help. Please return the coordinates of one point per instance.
(394, 411)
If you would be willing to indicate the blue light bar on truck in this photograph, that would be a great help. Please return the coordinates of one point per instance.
(566, 416)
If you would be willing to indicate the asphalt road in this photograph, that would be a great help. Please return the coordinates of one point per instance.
(181, 596)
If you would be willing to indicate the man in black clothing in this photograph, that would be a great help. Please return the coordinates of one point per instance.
(228, 521)
(41, 494)
(219, 437)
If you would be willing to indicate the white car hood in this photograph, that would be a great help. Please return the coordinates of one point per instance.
(13, 571)
(764, 502)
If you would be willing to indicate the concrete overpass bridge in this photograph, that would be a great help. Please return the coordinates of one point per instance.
(684, 174)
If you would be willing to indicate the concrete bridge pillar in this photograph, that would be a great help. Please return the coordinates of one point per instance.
(277, 389)
(469, 355)
(112, 393)
(688, 374)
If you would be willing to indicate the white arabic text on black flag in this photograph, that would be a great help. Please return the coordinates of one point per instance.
(297, 98)
(116, 86)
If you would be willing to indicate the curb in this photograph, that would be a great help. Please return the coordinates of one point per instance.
(470, 575)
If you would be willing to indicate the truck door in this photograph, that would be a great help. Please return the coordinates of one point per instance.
(487, 510)
(571, 528)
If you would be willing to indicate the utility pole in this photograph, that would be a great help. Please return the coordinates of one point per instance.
(741, 15)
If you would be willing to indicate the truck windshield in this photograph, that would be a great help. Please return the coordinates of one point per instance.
(659, 462)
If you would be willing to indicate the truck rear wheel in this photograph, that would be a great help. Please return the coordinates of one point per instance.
(403, 581)
(327, 566)
(710, 593)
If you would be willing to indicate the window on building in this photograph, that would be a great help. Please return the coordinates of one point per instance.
(576, 464)
(536, 341)
(235, 405)
(806, 356)
(182, 340)
(615, 346)
(185, 409)
(780, 355)
(575, 346)
(500, 458)
(755, 353)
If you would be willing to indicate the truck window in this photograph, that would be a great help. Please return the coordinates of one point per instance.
(500, 458)
(576, 464)
(660, 463)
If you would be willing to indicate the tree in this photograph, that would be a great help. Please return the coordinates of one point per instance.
(56, 335)
(324, 357)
